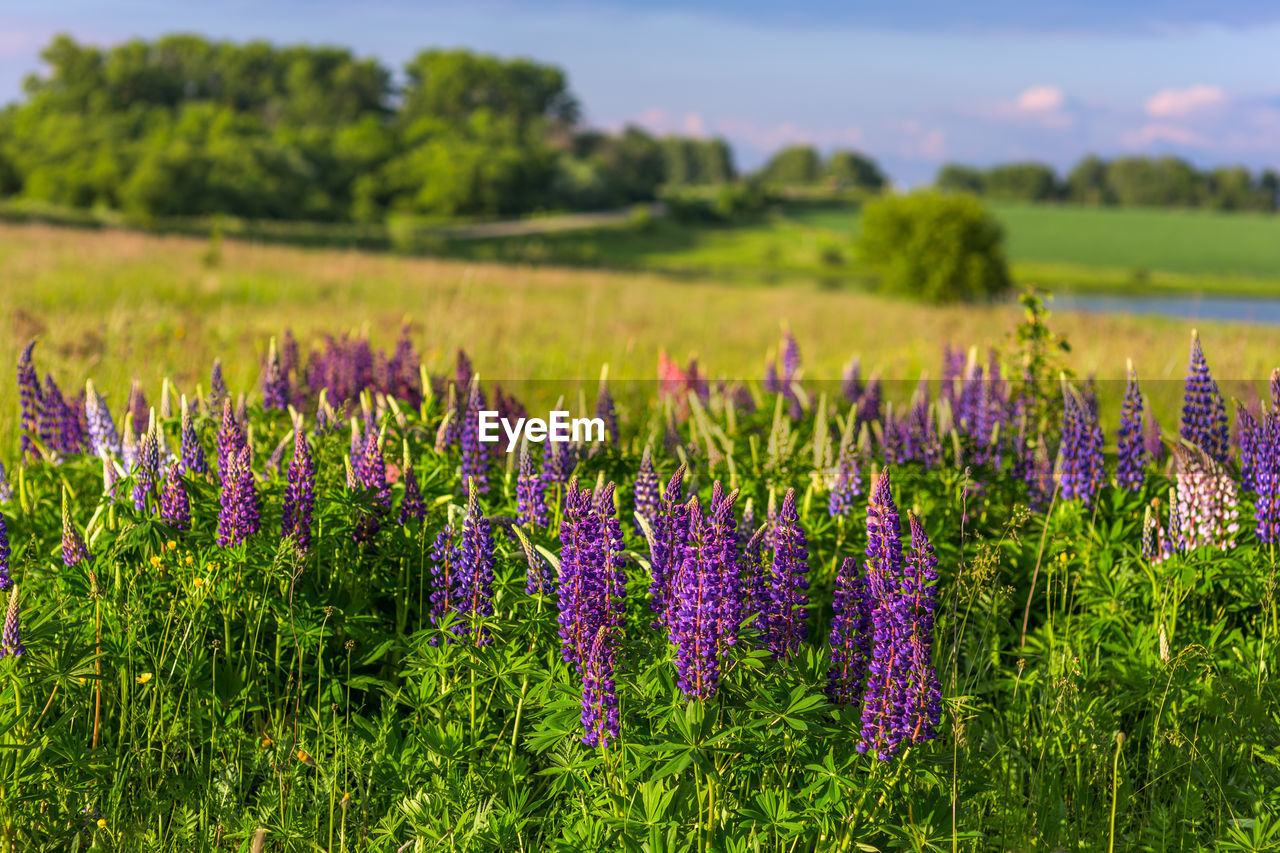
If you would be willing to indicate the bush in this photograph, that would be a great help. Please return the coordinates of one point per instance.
(941, 248)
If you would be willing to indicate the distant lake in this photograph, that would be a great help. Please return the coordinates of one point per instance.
(1237, 309)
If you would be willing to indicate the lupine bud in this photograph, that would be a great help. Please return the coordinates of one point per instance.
(531, 491)
(782, 621)
(11, 641)
(175, 506)
(1132, 461)
(1204, 415)
(299, 493)
(74, 551)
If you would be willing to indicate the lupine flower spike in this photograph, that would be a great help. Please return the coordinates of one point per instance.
(74, 551)
(531, 491)
(300, 493)
(412, 506)
(1132, 456)
(175, 506)
(475, 579)
(850, 635)
(191, 453)
(4, 555)
(782, 619)
(11, 641)
(1204, 414)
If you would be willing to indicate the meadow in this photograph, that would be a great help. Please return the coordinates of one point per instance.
(311, 611)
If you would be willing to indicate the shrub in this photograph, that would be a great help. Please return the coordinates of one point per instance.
(941, 248)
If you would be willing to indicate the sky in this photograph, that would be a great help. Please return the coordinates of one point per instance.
(913, 83)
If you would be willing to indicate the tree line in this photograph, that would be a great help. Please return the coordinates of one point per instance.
(1126, 181)
(186, 126)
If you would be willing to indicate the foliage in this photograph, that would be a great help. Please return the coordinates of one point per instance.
(939, 248)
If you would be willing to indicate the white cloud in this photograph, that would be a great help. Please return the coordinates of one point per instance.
(1155, 132)
(1041, 99)
(1180, 103)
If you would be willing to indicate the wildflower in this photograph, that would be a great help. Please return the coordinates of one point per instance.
(29, 398)
(1131, 466)
(693, 605)
(1204, 415)
(1204, 509)
(218, 392)
(6, 490)
(5, 581)
(275, 381)
(885, 676)
(74, 551)
(175, 506)
(1249, 438)
(300, 493)
(239, 516)
(721, 541)
(231, 439)
(782, 619)
(475, 454)
(535, 579)
(412, 506)
(11, 641)
(646, 491)
(591, 583)
(851, 380)
(1265, 472)
(850, 636)
(144, 678)
(103, 438)
(670, 532)
(1080, 455)
(922, 704)
(137, 404)
(531, 491)
(147, 470)
(192, 453)
(606, 412)
(600, 722)
(475, 577)
(371, 476)
(848, 479)
(446, 557)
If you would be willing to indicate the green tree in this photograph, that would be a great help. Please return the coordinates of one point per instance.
(1021, 182)
(938, 247)
(453, 85)
(795, 165)
(955, 177)
(1087, 182)
(854, 170)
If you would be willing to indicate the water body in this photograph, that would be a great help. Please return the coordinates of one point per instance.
(1238, 309)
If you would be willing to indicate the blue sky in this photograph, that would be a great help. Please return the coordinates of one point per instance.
(914, 83)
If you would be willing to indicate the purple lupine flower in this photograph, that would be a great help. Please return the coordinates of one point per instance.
(74, 551)
(217, 386)
(474, 595)
(110, 478)
(886, 675)
(1204, 502)
(104, 440)
(11, 640)
(782, 619)
(289, 362)
(175, 506)
(850, 636)
(137, 405)
(412, 506)
(670, 533)
(954, 360)
(1132, 462)
(299, 493)
(772, 382)
(535, 579)
(693, 612)
(531, 491)
(558, 462)
(475, 454)
(848, 480)
(462, 372)
(446, 558)
(275, 381)
(893, 439)
(606, 411)
(370, 469)
(63, 422)
(922, 429)
(50, 418)
(1204, 414)
(790, 356)
(600, 722)
(1080, 455)
(404, 377)
(29, 397)
(592, 585)
(869, 402)
(6, 490)
(851, 380)
(922, 702)
(1249, 435)
(147, 471)
(239, 515)
(4, 555)
(231, 439)
(192, 459)
(1265, 463)
(721, 550)
(646, 491)
(507, 406)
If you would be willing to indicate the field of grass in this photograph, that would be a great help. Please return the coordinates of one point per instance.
(114, 305)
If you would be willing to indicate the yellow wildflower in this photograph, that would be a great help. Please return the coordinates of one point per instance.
(144, 678)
